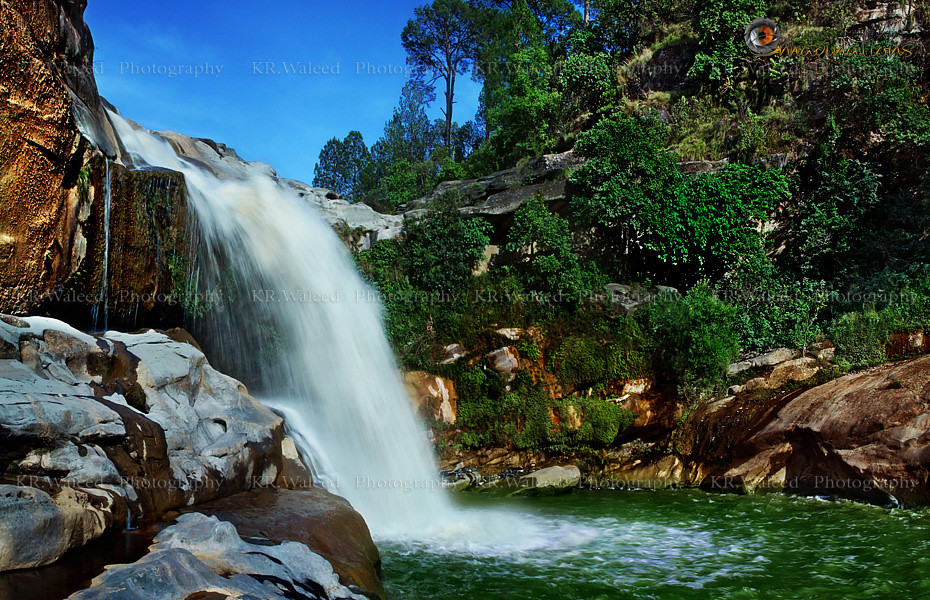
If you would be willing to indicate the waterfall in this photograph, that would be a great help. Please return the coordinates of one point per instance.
(321, 348)
(103, 304)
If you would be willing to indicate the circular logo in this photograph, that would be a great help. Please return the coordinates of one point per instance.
(762, 36)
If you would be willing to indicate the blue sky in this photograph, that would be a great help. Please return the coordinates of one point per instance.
(267, 112)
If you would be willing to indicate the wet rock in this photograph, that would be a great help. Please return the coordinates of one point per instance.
(203, 555)
(325, 523)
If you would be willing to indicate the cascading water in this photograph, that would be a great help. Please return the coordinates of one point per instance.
(324, 345)
(102, 305)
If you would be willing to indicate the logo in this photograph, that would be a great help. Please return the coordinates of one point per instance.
(763, 36)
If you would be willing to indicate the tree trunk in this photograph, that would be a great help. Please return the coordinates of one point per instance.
(450, 91)
(587, 12)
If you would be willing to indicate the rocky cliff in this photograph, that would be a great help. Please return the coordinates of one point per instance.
(100, 432)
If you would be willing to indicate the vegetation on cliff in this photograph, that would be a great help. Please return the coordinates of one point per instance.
(805, 218)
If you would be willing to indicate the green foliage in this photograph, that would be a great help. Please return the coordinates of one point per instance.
(529, 349)
(860, 339)
(601, 422)
(694, 338)
(543, 241)
(880, 93)
(444, 247)
(719, 25)
(834, 213)
(586, 81)
(580, 362)
(650, 219)
(341, 164)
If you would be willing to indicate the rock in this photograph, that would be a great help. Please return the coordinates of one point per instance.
(48, 57)
(513, 334)
(627, 298)
(827, 354)
(768, 359)
(38, 527)
(126, 420)
(504, 360)
(551, 479)
(203, 557)
(452, 353)
(666, 472)
(460, 481)
(325, 523)
(434, 396)
(637, 386)
(294, 473)
(798, 369)
(862, 436)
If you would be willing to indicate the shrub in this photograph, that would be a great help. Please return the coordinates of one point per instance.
(580, 362)
(586, 80)
(693, 339)
(860, 339)
(444, 247)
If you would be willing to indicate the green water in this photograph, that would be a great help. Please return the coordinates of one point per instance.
(676, 545)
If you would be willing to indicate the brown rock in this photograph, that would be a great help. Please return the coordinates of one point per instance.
(864, 436)
(43, 44)
(434, 396)
(326, 523)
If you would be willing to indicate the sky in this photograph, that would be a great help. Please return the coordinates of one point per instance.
(273, 81)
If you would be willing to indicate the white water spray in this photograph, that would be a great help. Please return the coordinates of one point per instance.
(324, 354)
(340, 375)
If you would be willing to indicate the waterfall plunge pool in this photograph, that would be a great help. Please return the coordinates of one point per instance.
(671, 545)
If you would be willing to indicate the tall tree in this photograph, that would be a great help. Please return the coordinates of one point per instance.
(440, 43)
(340, 165)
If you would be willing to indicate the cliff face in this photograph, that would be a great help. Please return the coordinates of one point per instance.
(45, 49)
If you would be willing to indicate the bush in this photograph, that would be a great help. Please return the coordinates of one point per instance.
(543, 242)
(694, 339)
(601, 423)
(586, 81)
(860, 339)
(443, 248)
(580, 362)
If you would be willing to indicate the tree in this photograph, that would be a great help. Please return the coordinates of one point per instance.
(340, 165)
(440, 43)
(543, 240)
(443, 248)
(401, 166)
(521, 105)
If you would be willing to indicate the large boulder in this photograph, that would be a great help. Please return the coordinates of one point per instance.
(91, 427)
(203, 557)
(38, 527)
(864, 435)
(324, 522)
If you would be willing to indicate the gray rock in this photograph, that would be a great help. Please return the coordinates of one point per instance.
(37, 528)
(558, 478)
(202, 553)
(503, 360)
